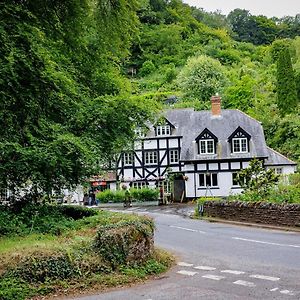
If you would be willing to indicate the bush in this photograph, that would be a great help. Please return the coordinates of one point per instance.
(40, 218)
(144, 194)
(125, 242)
(147, 68)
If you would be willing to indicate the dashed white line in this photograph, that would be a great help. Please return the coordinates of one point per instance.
(245, 283)
(184, 264)
(187, 229)
(267, 243)
(265, 277)
(233, 272)
(275, 289)
(188, 273)
(213, 277)
(205, 268)
(287, 292)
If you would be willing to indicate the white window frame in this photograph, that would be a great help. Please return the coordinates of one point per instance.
(166, 185)
(139, 184)
(151, 157)
(128, 158)
(205, 143)
(163, 130)
(174, 156)
(211, 180)
(240, 148)
(279, 170)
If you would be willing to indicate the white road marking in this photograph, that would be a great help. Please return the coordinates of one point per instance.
(205, 268)
(213, 277)
(233, 272)
(188, 273)
(167, 211)
(267, 243)
(187, 229)
(275, 289)
(184, 264)
(265, 277)
(244, 283)
(287, 292)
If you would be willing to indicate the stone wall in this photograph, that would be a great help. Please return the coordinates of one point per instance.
(254, 212)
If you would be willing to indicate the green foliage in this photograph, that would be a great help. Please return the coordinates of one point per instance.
(25, 219)
(201, 78)
(53, 124)
(287, 99)
(144, 194)
(256, 178)
(125, 242)
(147, 68)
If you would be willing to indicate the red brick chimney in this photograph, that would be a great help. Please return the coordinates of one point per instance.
(216, 105)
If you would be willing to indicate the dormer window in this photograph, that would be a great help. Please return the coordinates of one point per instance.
(162, 130)
(207, 146)
(207, 142)
(239, 141)
(239, 145)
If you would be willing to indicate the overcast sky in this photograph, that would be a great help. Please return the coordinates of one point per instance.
(269, 8)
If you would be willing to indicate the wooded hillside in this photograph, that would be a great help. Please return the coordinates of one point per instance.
(78, 76)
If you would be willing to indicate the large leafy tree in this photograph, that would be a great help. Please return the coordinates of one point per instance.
(201, 78)
(61, 106)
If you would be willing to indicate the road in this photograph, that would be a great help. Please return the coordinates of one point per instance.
(219, 261)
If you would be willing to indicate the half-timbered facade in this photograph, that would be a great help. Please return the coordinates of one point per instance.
(207, 147)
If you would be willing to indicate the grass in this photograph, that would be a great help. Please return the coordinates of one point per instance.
(62, 260)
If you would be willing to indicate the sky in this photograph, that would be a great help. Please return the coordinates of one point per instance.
(269, 8)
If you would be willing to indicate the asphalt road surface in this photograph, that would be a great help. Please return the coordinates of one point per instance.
(219, 261)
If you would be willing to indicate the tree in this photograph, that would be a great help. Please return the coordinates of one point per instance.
(64, 107)
(255, 178)
(286, 86)
(201, 78)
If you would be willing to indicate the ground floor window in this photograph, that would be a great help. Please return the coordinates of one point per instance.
(235, 179)
(166, 185)
(208, 179)
(139, 184)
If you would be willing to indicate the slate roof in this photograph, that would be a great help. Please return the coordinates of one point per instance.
(277, 159)
(189, 124)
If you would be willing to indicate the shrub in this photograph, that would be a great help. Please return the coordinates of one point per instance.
(125, 242)
(144, 194)
(147, 68)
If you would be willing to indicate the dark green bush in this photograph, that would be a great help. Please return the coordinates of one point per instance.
(125, 242)
(40, 218)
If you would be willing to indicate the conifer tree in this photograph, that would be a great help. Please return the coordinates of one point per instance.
(286, 84)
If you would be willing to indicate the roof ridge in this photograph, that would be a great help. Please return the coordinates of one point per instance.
(281, 155)
(247, 116)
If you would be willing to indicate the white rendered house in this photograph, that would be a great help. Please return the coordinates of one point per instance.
(207, 148)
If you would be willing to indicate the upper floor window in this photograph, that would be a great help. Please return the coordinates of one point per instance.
(207, 142)
(207, 147)
(174, 156)
(162, 130)
(239, 145)
(128, 159)
(151, 157)
(139, 184)
(239, 141)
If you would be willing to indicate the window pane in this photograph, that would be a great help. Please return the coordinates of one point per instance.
(210, 146)
(244, 145)
(202, 147)
(234, 179)
(201, 180)
(208, 179)
(236, 146)
(214, 179)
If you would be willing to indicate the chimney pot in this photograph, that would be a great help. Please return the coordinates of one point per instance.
(216, 105)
